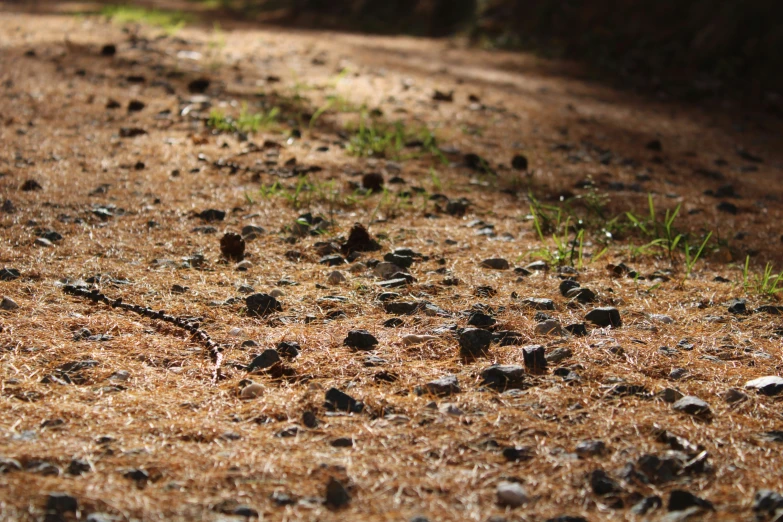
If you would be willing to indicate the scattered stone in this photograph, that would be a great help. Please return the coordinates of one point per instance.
(42, 243)
(681, 500)
(266, 359)
(139, 475)
(413, 339)
(582, 295)
(602, 484)
(394, 322)
(109, 50)
(61, 503)
(767, 501)
(511, 494)
(136, 106)
(507, 337)
(340, 401)
(481, 320)
(567, 285)
(495, 263)
(359, 240)
(373, 181)
(288, 349)
(537, 303)
(559, 354)
(771, 385)
(332, 260)
(444, 386)
(386, 270)
(131, 132)
(9, 274)
(232, 247)
(79, 467)
(198, 86)
(474, 341)
(549, 327)
(535, 358)
(670, 395)
(7, 465)
(605, 316)
(677, 373)
(577, 329)
(251, 391)
(30, 185)
(737, 306)
(590, 448)
(537, 266)
(733, 395)
(519, 162)
(399, 260)
(250, 232)
(728, 208)
(212, 214)
(503, 377)
(262, 304)
(342, 442)
(692, 406)
(403, 307)
(336, 494)
(360, 340)
(457, 207)
(335, 278)
(372, 361)
(8, 304)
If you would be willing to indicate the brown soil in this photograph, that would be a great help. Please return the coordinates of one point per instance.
(203, 447)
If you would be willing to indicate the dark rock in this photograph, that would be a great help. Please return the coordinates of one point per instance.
(559, 354)
(136, 106)
(646, 505)
(738, 306)
(692, 406)
(139, 475)
(537, 303)
(537, 266)
(394, 322)
(109, 50)
(77, 366)
(602, 484)
(769, 309)
(332, 260)
(342, 442)
(336, 494)
(250, 232)
(399, 260)
(443, 96)
(30, 185)
(359, 240)
(566, 285)
(340, 401)
(262, 304)
(605, 316)
(519, 162)
(373, 181)
(403, 307)
(244, 511)
(198, 86)
(771, 385)
(729, 208)
(495, 263)
(113, 104)
(232, 246)
(7, 465)
(360, 340)
(394, 283)
(507, 337)
(681, 500)
(654, 145)
(9, 274)
(212, 214)
(288, 349)
(518, 453)
(61, 503)
(79, 467)
(583, 295)
(766, 501)
(457, 207)
(535, 358)
(474, 341)
(372, 361)
(266, 359)
(503, 377)
(309, 419)
(590, 448)
(444, 386)
(131, 132)
(577, 329)
(481, 320)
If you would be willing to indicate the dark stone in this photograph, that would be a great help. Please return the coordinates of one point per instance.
(30, 185)
(444, 386)
(139, 475)
(266, 359)
(654, 145)
(770, 385)
(7, 465)
(61, 503)
(583, 295)
(109, 50)
(766, 501)
(578, 329)
(535, 357)
(646, 505)
(9, 274)
(394, 283)
(729, 208)
(481, 320)
(519, 162)
(332, 260)
(681, 500)
(605, 316)
(360, 340)
(282, 499)
(769, 309)
(661, 469)
(567, 518)
(359, 240)
(136, 106)
(537, 266)
(507, 337)
(403, 307)
(309, 419)
(602, 484)
(537, 303)
(342, 442)
(589, 448)
(495, 263)
(692, 406)
(212, 214)
(232, 246)
(373, 360)
(244, 511)
(474, 341)
(198, 86)
(131, 132)
(399, 260)
(394, 322)
(518, 453)
(566, 285)
(738, 306)
(79, 467)
(262, 304)
(373, 181)
(336, 494)
(457, 207)
(340, 401)
(288, 349)
(77, 366)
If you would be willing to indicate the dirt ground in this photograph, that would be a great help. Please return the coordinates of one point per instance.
(125, 418)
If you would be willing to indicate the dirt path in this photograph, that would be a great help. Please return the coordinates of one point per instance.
(114, 159)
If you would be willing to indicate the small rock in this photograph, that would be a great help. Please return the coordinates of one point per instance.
(360, 340)
(335, 278)
(567, 285)
(232, 247)
(670, 395)
(262, 304)
(444, 386)
(766, 501)
(342, 442)
(677, 374)
(250, 232)
(372, 361)
(30, 185)
(495, 263)
(474, 341)
(728, 208)
(359, 239)
(79, 467)
(537, 303)
(332, 260)
(394, 322)
(373, 181)
(9, 274)
(336, 494)
(136, 106)
(733, 395)
(771, 385)
(590, 448)
(537, 266)
(602, 484)
(8, 304)
(681, 500)
(519, 162)
(659, 318)
(481, 320)
(457, 207)
(549, 327)
(212, 215)
(582, 295)
(61, 503)
(737, 306)
(605, 316)
(266, 359)
(559, 354)
(340, 401)
(503, 377)
(511, 494)
(518, 453)
(251, 391)
(42, 242)
(535, 357)
(692, 406)
(7, 465)
(578, 329)
(288, 349)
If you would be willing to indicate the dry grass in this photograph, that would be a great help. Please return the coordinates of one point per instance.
(407, 458)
